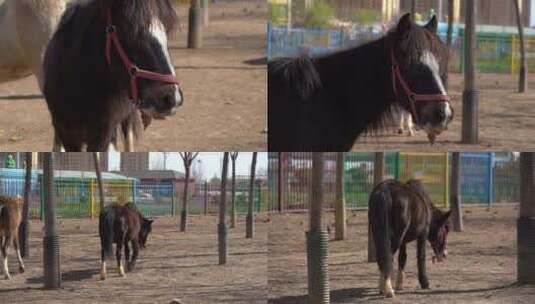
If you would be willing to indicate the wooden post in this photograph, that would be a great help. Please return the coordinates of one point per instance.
(455, 192)
(205, 12)
(526, 220)
(205, 197)
(470, 130)
(96, 159)
(51, 256)
(449, 38)
(340, 207)
(523, 77)
(279, 183)
(249, 224)
(233, 157)
(317, 239)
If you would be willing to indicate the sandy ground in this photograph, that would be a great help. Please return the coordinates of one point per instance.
(224, 85)
(481, 267)
(506, 120)
(174, 265)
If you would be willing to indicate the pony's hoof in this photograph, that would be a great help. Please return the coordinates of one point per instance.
(390, 294)
(102, 277)
(7, 277)
(21, 269)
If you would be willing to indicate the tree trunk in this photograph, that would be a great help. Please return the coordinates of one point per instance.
(378, 176)
(449, 38)
(51, 256)
(526, 220)
(96, 159)
(413, 9)
(249, 229)
(455, 195)
(317, 240)
(195, 25)
(340, 207)
(24, 228)
(233, 157)
(280, 185)
(222, 226)
(471, 94)
(184, 213)
(523, 77)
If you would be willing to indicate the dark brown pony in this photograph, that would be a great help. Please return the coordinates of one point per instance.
(9, 230)
(89, 96)
(400, 213)
(122, 225)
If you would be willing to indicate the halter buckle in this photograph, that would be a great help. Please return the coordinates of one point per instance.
(133, 71)
(110, 29)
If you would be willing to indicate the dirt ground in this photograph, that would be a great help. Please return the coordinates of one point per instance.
(506, 120)
(481, 266)
(224, 85)
(174, 265)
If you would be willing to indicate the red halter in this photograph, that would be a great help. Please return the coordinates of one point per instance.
(134, 71)
(411, 96)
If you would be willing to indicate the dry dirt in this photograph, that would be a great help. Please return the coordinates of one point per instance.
(174, 265)
(506, 120)
(481, 266)
(224, 85)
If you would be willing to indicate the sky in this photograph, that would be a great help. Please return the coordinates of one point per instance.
(209, 163)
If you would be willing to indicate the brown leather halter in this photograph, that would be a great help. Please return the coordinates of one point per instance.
(134, 71)
(411, 96)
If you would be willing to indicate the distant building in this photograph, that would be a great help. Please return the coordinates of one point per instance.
(76, 161)
(161, 177)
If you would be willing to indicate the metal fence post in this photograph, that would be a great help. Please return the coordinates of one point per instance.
(491, 179)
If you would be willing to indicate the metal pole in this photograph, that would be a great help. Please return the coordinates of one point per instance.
(317, 240)
(24, 228)
(195, 28)
(51, 256)
(249, 225)
(526, 220)
(455, 192)
(222, 231)
(340, 207)
(471, 94)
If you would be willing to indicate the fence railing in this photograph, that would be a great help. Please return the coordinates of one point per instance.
(495, 53)
(486, 178)
(80, 198)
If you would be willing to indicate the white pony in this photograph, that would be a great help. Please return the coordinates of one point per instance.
(26, 27)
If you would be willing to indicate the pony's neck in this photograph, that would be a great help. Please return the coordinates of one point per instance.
(359, 79)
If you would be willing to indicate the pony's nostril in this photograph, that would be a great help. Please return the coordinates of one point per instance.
(440, 115)
(169, 101)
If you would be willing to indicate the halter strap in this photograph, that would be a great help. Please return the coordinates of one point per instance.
(411, 96)
(133, 70)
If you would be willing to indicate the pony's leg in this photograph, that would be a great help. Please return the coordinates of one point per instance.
(135, 249)
(119, 258)
(57, 146)
(102, 265)
(127, 256)
(420, 253)
(402, 260)
(5, 249)
(409, 125)
(129, 139)
(17, 250)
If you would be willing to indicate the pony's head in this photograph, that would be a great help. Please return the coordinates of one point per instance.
(144, 231)
(421, 59)
(438, 234)
(142, 27)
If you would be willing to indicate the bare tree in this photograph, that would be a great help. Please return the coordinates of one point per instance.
(523, 77)
(233, 157)
(413, 9)
(187, 159)
(471, 94)
(449, 37)
(222, 232)
(455, 192)
(96, 160)
(195, 25)
(378, 176)
(249, 224)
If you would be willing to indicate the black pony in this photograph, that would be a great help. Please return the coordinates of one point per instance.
(122, 225)
(326, 103)
(400, 213)
(89, 96)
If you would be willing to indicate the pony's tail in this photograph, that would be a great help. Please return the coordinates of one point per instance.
(379, 217)
(105, 229)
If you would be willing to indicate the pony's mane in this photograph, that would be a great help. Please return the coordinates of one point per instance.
(299, 74)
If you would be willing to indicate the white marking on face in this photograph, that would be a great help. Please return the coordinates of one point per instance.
(157, 29)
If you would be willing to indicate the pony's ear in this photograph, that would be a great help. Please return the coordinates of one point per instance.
(404, 24)
(150, 221)
(446, 216)
(432, 25)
